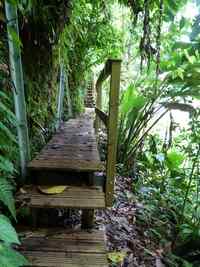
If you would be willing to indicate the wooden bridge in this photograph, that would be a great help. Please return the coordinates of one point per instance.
(71, 158)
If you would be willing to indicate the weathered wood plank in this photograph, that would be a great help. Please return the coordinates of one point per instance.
(112, 130)
(73, 197)
(68, 234)
(63, 259)
(72, 148)
(66, 165)
(65, 249)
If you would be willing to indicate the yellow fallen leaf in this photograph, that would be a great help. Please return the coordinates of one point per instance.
(116, 257)
(46, 189)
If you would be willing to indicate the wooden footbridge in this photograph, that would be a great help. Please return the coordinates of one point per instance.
(71, 159)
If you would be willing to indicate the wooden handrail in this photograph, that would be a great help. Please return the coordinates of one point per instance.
(112, 68)
(102, 115)
(106, 72)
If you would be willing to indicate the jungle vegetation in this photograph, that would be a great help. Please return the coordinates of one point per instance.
(159, 43)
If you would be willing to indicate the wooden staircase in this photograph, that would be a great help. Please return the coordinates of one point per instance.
(89, 98)
(70, 158)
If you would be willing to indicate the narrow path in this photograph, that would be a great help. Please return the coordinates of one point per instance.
(70, 158)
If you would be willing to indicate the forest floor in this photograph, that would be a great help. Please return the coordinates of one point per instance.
(127, 241)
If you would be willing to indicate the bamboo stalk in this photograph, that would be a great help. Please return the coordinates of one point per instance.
(18, 81)
(60, 96)
(69, 103)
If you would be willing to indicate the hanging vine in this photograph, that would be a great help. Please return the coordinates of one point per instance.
(158, 37)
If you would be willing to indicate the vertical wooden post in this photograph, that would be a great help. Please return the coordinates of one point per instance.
(93, 84)
(98, 105)
(112, 130)
(87, 219)
(18, 81)
(60, 96)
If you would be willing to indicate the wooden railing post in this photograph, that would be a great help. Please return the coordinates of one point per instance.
(113, 68)
(112, 130)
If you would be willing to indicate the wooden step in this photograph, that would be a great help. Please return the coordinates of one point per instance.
(62, 249)
(73, 197)
(72, 148)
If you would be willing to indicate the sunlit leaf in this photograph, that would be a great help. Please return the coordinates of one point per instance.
(7, 232)
(174, 159)
(132, 100)
(116, 257)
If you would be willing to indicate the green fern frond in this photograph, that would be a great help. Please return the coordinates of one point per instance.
(6, 166)
(6, 195)
(9, 114)
(4, 96)
(5, 129)
(7, 147)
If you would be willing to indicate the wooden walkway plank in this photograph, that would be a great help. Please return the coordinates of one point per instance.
(72, 148)
(63, 259)
(73, 197)
(78, 249)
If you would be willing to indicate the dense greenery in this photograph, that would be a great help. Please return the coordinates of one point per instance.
(164, 163)
(159, 45)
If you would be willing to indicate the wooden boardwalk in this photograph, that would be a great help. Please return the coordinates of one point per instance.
(71, 152)
(72, 148)
(71, 159)
(59, 249)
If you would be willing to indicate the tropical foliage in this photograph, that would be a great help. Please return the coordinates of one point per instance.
(159, 44)
(8, 164)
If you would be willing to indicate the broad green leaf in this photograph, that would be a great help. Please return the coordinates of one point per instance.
(7, 231)
(174, 159)
(11, 258)
(6, 195)
(132, 100)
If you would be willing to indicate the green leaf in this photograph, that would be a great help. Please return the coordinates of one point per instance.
(116, 257)
(3, 95)
(13, 2)
(182, 22)
(6, 195)
(6, 165)
(5, 129)
(7, 231)
(187, 264)
(132, 100)
(11, 258)
(174, 159)
(15, 38)
(9, 114)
